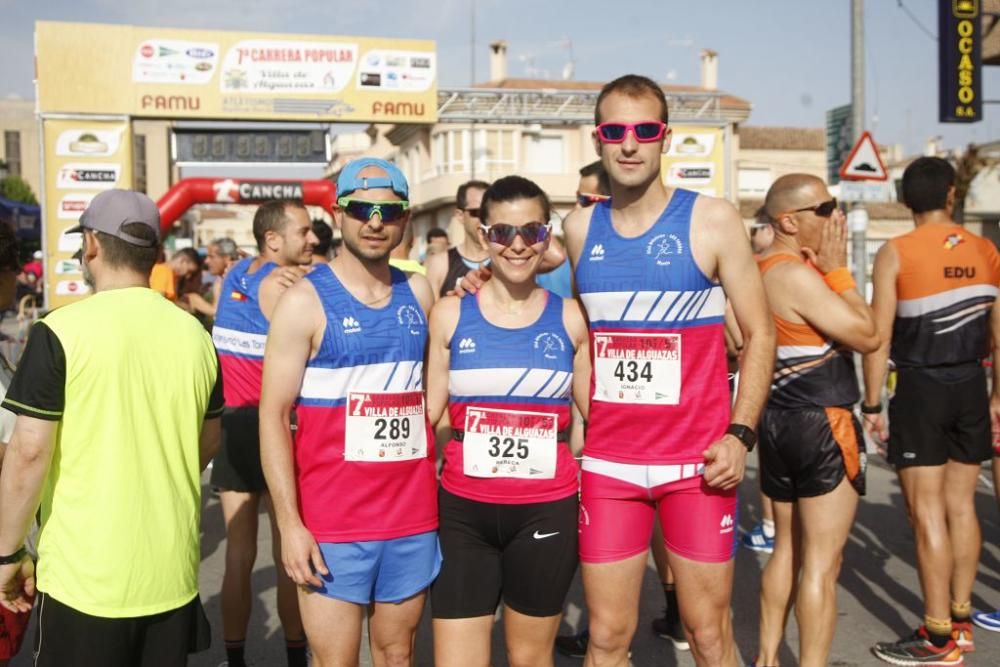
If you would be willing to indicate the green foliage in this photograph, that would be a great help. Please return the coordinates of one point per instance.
(16, 188)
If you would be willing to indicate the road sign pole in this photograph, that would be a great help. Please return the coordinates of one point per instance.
(858, 232)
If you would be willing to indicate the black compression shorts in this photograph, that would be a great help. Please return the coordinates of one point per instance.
(526, 554)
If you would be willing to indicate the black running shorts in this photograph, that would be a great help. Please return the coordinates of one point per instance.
(66, 636)
(938, 416)
(237, 465)
(526, 554)
(806, 452)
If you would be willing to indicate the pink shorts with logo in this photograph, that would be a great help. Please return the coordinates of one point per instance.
(618, 502)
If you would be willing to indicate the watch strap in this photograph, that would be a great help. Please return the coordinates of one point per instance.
(14, 557)
(744, 434)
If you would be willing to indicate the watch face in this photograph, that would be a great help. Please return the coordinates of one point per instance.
(744, 434)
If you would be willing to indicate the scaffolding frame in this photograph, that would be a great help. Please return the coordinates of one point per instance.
(554, 106)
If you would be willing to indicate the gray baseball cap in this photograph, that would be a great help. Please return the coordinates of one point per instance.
(111, 210)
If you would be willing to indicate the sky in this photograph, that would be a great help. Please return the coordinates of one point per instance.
(789, 58)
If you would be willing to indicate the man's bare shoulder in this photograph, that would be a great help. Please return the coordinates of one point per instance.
(715, 213)
(300, 295)
(446, 310)
(270, 283)
(887, 256)
(573, 318)
(421, 290)
(717, 232)
(792, 278)
(575, 229)
(437, 268)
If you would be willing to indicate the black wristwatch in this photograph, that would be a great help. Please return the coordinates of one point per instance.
(14, 557)
(744, 434)
(871, 409)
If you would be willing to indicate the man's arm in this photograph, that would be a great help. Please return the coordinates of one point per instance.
(211, 425)
(37, 396)
(211, 437)
(275, 284)
(734, 339)
(739, 276)
(845, 317)
(995, 391)
(994, 261)
(576, 327)
(443, 320)
(295, 323)
(25, 467)
(575, 228)
(875, 364)
(422, 291)
(833, 305)
(198, 304)
(437, 271)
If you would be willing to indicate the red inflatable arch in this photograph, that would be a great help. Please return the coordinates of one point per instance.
(190, 191)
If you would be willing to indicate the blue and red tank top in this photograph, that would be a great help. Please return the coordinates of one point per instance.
(240, 333)
(509, 403)
(364, 448)
(659, 388)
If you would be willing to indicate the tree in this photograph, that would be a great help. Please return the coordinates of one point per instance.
(966, 168)
(17, 189)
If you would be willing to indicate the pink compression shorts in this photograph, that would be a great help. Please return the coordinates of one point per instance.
(618, 502)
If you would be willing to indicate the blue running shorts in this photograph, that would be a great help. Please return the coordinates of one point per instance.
(380, 570)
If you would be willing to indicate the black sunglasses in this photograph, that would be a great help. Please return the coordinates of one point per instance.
(503, 234)
(823, 210)
(473, 212)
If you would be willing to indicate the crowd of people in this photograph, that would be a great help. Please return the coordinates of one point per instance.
(332, 378)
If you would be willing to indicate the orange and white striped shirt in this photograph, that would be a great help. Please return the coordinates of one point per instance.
(946, 287)
(810, 370)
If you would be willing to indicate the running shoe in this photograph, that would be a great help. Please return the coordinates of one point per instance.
(671, 628)
(961, 632)
(756, 540)
(918, 650)
(987, 620)
(573, 646)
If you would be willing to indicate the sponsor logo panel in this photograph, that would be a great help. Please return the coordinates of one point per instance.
(175, 62)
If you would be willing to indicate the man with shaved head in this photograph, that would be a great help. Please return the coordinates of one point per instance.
(811, 447)
(356, 496)
(934, 291)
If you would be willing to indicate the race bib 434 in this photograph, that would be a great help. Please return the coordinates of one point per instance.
(637, 368)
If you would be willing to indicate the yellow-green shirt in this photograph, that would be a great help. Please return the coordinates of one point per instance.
(130, 378)
(408, 265)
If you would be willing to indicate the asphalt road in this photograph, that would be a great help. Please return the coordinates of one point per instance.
(879, 595)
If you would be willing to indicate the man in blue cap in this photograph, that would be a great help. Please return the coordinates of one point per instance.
(356, 495)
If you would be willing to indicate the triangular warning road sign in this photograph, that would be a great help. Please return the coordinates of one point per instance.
(864, 163)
